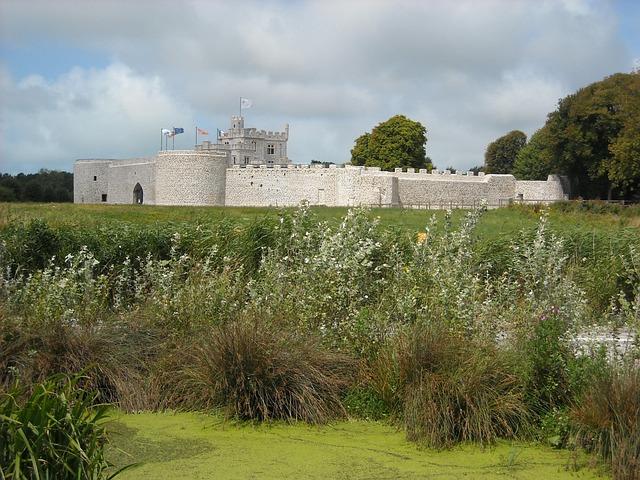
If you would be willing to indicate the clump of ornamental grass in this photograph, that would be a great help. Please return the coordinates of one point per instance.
(448, 389)
(113, 357)
(255, 372)
(607, 418)
(56, 431)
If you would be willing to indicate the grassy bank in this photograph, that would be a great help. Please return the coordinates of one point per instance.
(459, 331)
(196, 446)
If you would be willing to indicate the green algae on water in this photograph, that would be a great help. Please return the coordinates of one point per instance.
(198, 446)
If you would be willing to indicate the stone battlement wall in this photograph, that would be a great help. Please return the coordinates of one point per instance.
(202, 177)
(189, 177)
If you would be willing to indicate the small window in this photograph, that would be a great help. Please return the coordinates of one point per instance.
(95, 178)
(104, 196)
(270, 162)
(271, 149)
(246, 160)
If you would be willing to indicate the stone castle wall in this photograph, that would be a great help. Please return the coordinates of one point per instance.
(124, 175)
(540, 190)
(90, 180)
(190, 177)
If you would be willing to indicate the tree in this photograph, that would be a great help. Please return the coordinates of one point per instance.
(46, 185)
(7, 194)
(533, 161)
(397, 143)
(501, 153)
(594, 137)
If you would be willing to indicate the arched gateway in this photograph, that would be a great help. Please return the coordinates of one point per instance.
(138, 194)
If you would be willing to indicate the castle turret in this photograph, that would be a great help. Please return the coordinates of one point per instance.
(237, 122)
(249, 146)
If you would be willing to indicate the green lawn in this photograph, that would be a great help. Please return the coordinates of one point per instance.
(197, 446)
(506, 220)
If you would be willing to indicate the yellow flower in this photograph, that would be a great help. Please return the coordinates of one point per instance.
(422, 237)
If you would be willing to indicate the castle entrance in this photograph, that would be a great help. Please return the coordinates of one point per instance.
(138, 194)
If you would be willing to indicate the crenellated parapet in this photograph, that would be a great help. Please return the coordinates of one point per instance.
(203, 177)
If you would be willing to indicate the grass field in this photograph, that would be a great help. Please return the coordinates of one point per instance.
(494, 222)
(197, 446)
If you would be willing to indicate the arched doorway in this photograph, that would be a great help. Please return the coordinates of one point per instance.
(137, 194)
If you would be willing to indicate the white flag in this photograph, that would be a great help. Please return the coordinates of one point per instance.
(245, 103)
(166, 131)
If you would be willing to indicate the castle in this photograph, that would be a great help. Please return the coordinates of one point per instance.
(248, 146)
(247, 167)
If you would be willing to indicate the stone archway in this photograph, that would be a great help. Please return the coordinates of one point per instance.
(138, 194)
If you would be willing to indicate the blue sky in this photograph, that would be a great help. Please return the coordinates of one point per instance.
(99, 79)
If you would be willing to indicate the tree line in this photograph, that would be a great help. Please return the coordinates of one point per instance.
(593, 137)
(44, 186)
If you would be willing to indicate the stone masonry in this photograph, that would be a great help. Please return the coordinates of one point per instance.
(203, 177)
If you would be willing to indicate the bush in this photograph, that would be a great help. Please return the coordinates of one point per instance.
(547, 354)
(450, 389)
(56, 432)
(112, 356)
(258, 373)
(365, 403)
(608, 421)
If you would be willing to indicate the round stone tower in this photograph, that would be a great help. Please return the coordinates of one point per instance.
(190, 177)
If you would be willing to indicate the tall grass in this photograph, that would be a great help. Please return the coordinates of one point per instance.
(256, 372)
(447, 389)
(56, 432)
(457, 339)
(607, 418)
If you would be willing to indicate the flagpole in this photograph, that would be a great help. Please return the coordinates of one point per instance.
(240, 106)
(196, 135)
(160, 139)
(173, 142)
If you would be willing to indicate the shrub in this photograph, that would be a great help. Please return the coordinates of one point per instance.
(450, 389)
(547, 355)
(112, 356)
(608, 421)
(364, 402)
(56, 432)
(258, 373)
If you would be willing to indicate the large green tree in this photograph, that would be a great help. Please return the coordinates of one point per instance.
(399, 142)
(594, 137)
(533, 161)
(501, 153)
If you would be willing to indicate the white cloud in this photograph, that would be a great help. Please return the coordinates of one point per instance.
(111, 112)
(470, 71)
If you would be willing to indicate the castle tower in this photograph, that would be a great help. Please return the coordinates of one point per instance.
(250, 146)
(237, 122)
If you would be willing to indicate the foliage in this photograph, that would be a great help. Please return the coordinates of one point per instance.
(452, 393)
(364, 402)
(608, 421)
(547, 353)
(57, 431)
(396, 143)
(501, 153)
(463, 330)
(593, 136)
(532, 161)
(44, 186)
(258, 373)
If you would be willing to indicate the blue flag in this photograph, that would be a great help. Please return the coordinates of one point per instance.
(177, 130)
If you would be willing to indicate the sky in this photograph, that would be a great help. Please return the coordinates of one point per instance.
(100, 78)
